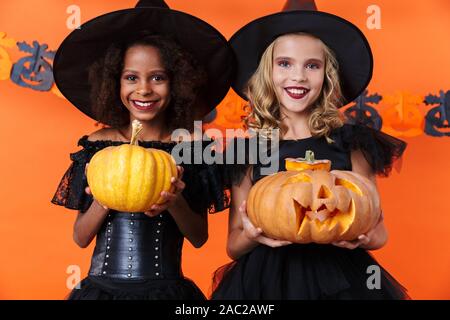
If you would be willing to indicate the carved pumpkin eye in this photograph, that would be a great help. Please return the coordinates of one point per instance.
(348, 185)
(301, 177)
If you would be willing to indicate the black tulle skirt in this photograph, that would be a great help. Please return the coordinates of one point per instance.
(100, 288)
(310, 271)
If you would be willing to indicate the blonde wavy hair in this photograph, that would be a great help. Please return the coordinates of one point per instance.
(264, 105)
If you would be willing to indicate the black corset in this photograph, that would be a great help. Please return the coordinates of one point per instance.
(135, 246)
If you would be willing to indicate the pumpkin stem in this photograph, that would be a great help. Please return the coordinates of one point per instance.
(309, 156)
(137, 127)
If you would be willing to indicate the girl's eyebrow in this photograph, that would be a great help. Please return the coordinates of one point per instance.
(315, 60)
(283, 58)
(308, 60)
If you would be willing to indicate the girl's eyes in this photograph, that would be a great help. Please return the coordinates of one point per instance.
(130, 78)
(286, 64)
(283, 63)
(312, 66)
(156, 77)
(159, 77)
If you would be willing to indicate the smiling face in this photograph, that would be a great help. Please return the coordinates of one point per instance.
(144, 83)
(298, 71)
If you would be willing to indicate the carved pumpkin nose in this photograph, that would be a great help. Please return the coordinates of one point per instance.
(325, 200)
(324, 193)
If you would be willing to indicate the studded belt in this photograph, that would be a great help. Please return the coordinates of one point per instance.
(135, 246)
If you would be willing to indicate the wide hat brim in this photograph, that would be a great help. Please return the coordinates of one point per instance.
(82, 47)
(349, 44)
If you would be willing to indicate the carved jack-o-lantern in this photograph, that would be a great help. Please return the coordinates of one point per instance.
(318, 206)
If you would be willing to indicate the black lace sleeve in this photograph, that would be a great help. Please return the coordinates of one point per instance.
(380, 149)
(237, 160)
(70, 192)
(206, 190)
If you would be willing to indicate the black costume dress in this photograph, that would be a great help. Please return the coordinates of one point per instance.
(315, 271)
(136, 256)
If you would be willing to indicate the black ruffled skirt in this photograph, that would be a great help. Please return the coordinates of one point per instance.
(100, 288)
(305, 272)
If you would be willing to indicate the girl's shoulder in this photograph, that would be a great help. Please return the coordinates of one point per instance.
(105, 134)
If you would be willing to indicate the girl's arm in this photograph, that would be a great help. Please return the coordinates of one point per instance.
(377, 237)
(242, 235)
(192, 225)
(87, 224)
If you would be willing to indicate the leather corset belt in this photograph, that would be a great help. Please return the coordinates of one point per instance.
(135, 246)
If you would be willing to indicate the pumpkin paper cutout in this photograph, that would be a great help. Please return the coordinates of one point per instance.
(130, 178)
(230, 113)
(438, 118)
(314, 205)
(363, 113)
(34, 71)
(403, 117)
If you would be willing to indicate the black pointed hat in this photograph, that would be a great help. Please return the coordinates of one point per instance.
(349, 44)
(83, 46)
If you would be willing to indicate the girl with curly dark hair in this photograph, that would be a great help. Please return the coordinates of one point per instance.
(165, 69)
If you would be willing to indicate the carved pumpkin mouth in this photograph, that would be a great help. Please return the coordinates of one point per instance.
(443, 128)
(324, 218)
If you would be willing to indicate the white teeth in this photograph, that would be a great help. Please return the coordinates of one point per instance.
(297, 91)
(142, 104)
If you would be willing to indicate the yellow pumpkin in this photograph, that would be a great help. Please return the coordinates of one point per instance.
(318, 206)
(130, 178)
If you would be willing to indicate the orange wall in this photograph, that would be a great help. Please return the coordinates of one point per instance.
(39, 130)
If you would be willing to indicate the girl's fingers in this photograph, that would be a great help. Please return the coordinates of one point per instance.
(250, 229)
(352, 244)
(156, 209)
(272, 242)
(177, 184)
(363, 239)
(244, 206)
(167, 196)
(180, 171)
(151, 213)
(254, 233)
(88, 190)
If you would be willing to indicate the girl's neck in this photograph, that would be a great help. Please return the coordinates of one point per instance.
(295, 126)
(154, 130)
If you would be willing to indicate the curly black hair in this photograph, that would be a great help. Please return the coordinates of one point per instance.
(186, 79)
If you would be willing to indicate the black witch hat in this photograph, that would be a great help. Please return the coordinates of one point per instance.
(82, 47)
(349, 44)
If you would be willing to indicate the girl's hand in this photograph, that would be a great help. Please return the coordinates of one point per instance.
(169, 198)
(254, 233)
(362, 240)
(88, 190)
